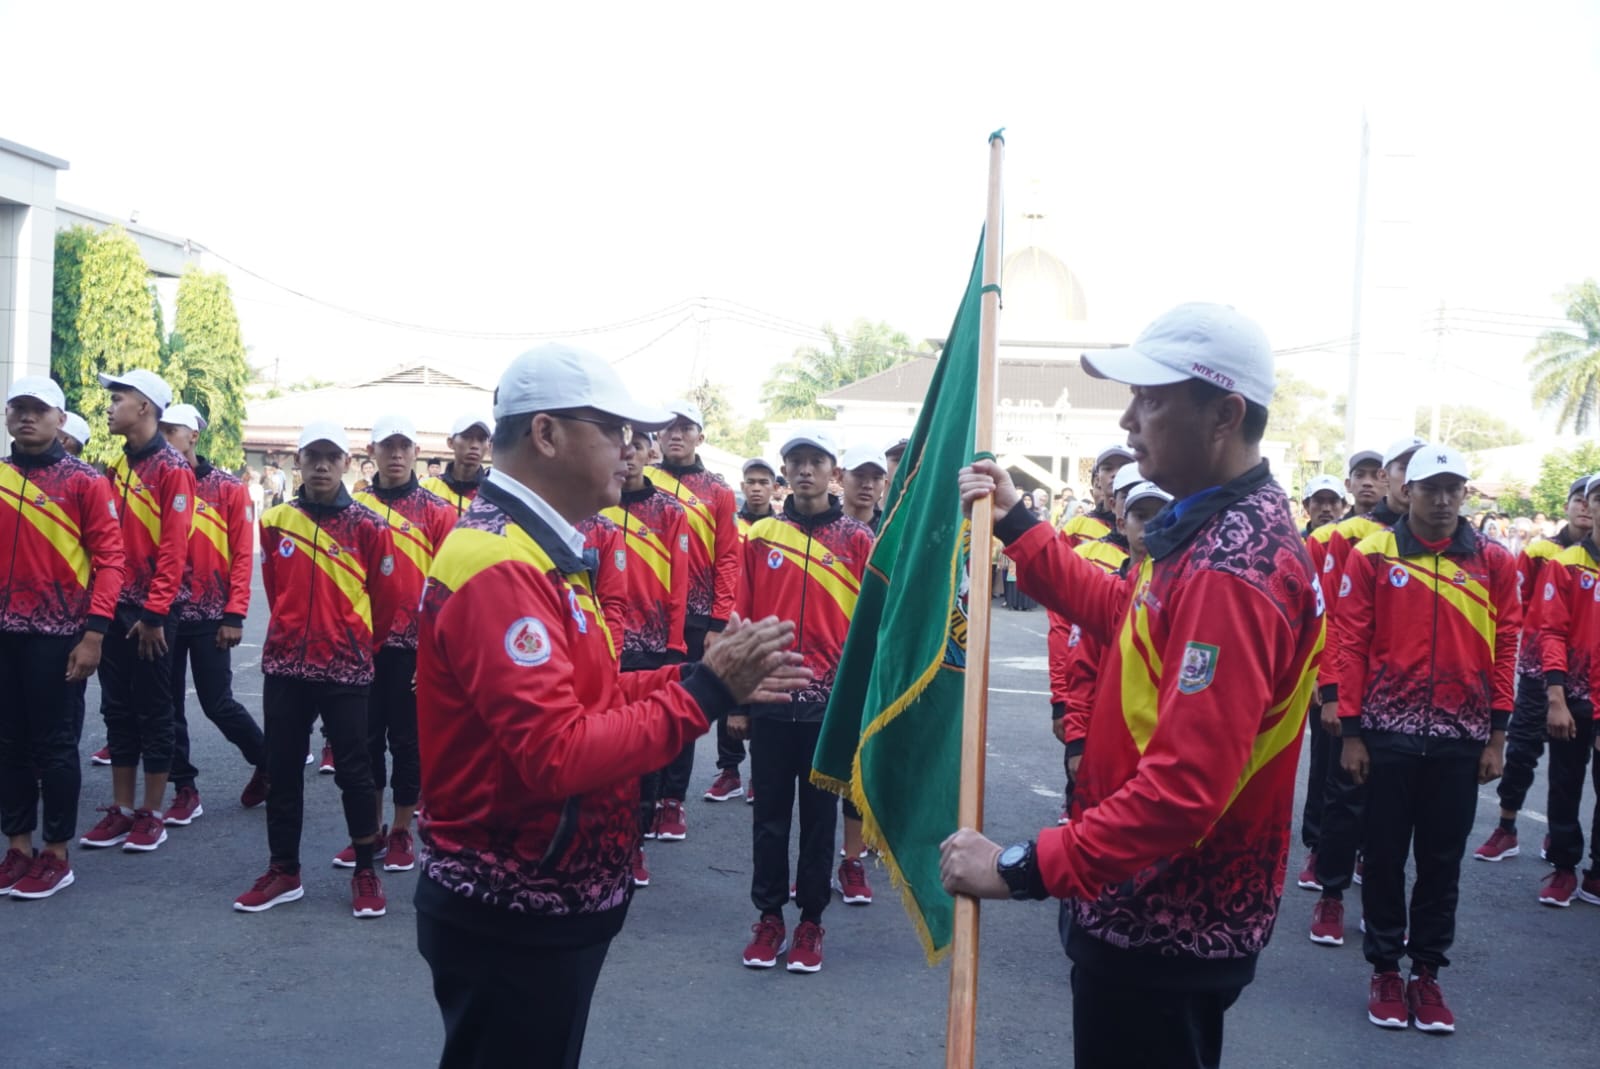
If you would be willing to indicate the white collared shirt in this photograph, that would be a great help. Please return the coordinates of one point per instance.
(541, 508)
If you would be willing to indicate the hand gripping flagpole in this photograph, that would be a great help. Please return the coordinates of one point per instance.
(961, 1025)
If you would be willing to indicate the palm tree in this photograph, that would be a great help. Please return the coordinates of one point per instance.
(1566, 363)
(796, 384)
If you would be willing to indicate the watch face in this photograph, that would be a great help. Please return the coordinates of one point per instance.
(1013, 855)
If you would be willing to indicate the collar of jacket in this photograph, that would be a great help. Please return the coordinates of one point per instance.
(1384, 514)
(1177, 523)
(634, 497)
(751, 517)
(1590, 548)
(319, 511)
(1118, 539)
(1463, 542)
(1564, 537)
(460, 486)
(202, 467)
(391, 494)
(834, 511)
(33, 461)
(1105, 516)
(677, 471)
(564, 559)
(149, 449)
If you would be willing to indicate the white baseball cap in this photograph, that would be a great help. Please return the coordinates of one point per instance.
(1589, 485)
(392, 423)
(468, 420)
(1403, 447)
(1365, 456)
(1211, 342)
(687, 410)
(1126, 476)
(816, 437)
(1318, 483)
(184, 415)
(1112, 451)
(1431, 460)
(759, 462)
(77, 427)
(558, 376)
(325, 430)
(1143, 490)
(148, 383)
(860, 455)
(40, 388)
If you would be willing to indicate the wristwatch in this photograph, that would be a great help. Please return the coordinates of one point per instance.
(1018, 865)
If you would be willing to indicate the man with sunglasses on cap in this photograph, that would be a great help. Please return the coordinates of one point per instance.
(457, 482)
(714, 563)
(529, 822)
(328, 566)
(154, 490)
(1100, 521)
(1172, 868)
(1525, 737)
(211, 622)
(61, 564)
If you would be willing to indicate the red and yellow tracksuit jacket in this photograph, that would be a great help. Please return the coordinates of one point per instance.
(532, 742)
(329, 575)
(1330, 547)
(1566, 613)
(745, 520)
(1530, 563)
(1174, 864)
(654, 564)
(807, 569)
(457, 493)
(1090, 527)
(154, 490)
(1073, 692)
(1425, 639)
(714, 557)
(1086, 668)
(418, 522)
(61, 560)
(221, 550)
(602, 541)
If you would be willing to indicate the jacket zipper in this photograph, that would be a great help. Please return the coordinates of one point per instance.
(1433, 654)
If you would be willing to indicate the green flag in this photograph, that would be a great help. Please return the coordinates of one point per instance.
(891, 738)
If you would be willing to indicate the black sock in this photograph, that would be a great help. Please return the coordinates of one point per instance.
(807, 916)
(1331, 895)
(291, 868)
(1508, 825)
(364, 852)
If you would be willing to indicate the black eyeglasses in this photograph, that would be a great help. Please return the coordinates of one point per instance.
(621, 433)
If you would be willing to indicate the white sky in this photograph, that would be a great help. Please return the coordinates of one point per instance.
(487, 169)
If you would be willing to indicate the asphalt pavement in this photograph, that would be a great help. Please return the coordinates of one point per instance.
(144, 962)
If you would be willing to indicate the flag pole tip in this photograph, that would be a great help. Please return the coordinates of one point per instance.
(999, 135)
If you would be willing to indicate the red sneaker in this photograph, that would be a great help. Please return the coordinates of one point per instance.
(102, 756)
(13, 867)
(670, 823)
(146, 834)
(346, 858)
(398, 853)
(48, 875)
(851, 883)
(1589, 889)
(1499, 846)
(1426, 1003)
(366, 894)
(184, 808)
(806, 953)
(1558, 888)
(641, 874)
(112, 829)
(1386, 1001)
(1308, 875)
(762, 951)
(326, 767)
(726, 787)
(1327, 922)
(274, 888)
(1065, 816)
(255, 792)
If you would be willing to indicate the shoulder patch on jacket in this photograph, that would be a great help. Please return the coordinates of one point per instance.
(528, 642)
(1199, 667)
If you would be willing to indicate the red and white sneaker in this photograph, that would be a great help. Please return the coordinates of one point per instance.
(670, 823)
(641, 872)
(398, 853)
(184, 808)
(1558, 888)
(1589, 889)
(726, 787)
(1498, 846)
(1426, 1003)
(346, 858)
(274, 888)
(255, 792)
(1387, 1005)
(1308, 876)
(805, 954)
(326, 767)
(851, 883)
(763, 950)
(366, 894)
(48, 875)
(102, 756)
(1065, 816)
(146, 834)
(112, 829)
(1327, 922)
(13, 867)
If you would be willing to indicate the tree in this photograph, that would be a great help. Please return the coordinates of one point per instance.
(66, 349)
(793, 389)
(1557, 472)
(1301, 415)
(1566, 363)
(1468, 428)
(744, 438)
(208, 367)
(116, 328)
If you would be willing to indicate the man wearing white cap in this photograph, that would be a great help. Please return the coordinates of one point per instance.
(460, 479)
(1100, 521)
(1323, 500)
(418, 522)
(154, 489)
(1186, 792)
(211, 621)
(863, 475)
(532, 742)
(760, 477)
(328, 567)
(1424, 647)
(74, 434)
(60, 574)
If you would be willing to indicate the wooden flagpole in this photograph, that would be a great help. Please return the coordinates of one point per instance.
(961, 1026)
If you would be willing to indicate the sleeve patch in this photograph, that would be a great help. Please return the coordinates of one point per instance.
(528, 642)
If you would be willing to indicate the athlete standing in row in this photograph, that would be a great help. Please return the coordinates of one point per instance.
(457, 482)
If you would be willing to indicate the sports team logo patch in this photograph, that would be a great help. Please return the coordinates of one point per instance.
(41, 501)
(1398, 577)
(1549, 592)
(577, 612)
(1586, 581)
(683, 543)
(1199, 667)
(405, 526)
(1322, 604)
(775, 559)
(387, 567)
(1074, 636)
(286, 549)
(827, 558)
(620, 559)
(199, 507)
(333, 549)
(111, 507)
(1327, 564)
(528, 642)
(180, 503)
(1344, 587)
